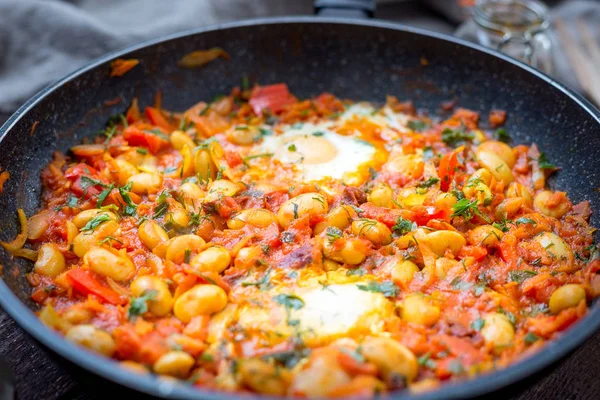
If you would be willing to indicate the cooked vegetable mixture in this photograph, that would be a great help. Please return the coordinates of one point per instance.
(262, 243)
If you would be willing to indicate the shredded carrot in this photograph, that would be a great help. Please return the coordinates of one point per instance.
(120, 66)
(200, 58)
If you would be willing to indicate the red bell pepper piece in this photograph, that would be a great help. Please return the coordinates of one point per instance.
(423, 214)
(85, 282)
(137, 137)
(157, 118)
(447, 169)
(272, 97)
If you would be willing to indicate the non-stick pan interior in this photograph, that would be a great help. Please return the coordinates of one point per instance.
(347, 59)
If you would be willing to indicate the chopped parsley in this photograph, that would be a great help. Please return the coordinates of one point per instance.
(161, 208)
(427, 153)
(157, 132)
(453, 137)
(456, 367)
(263, 283)
(403, 226)
(536, 310)
(543, 162)
(417, 125)
(467, 209)
(289, 301)
(292, 147)
(287, 237)
(531, 338)
(258, 156)
(318, 133)
(502, 225)
(71, 202)
(502, 136)
(520, 276)
(478, 324)
(139, 305)
(102, 196)
(461, 285)
(94, 222)
(387, 288)
(130, 207)
(265, 132)
(511, 317)
(428, 183)
(354, 354)
(86, 182)
(333, 233)
(525, 220)
(289, 358)
(141, 150)
(356, 272)
(426, 361)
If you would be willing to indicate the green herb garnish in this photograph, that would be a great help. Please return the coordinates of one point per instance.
(139, 305)
(520, 276)
(94, 222)
(467, 209)
(388, 288)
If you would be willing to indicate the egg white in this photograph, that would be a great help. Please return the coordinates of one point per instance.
(317, 152)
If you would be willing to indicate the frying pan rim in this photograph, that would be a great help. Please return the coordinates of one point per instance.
(148, 384)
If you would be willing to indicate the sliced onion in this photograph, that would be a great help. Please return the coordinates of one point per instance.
(38, 224)
(29, 254)
(87, 150)
(19, 241)
(156, 264)
(118, 288)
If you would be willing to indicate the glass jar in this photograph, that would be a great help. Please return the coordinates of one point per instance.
(518, 28)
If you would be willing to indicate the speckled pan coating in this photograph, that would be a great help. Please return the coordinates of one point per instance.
(352, 59)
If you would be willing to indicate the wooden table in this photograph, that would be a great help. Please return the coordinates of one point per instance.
(40, 376)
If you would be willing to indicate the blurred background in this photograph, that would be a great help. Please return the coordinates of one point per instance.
(43, 40)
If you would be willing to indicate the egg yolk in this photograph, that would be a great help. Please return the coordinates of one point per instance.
(307, 149)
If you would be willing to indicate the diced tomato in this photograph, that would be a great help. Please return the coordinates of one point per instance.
(138, 137)
(272, 97)
(423, 214)
(78, 187)
(227, 206)
(157, 118)
(127, 340)
(355, 367)
(497, 118)
(198, 327)
(384, 215)
(327, 103)
(39, 295)
(447, 169)
(78, 170)
(85, 282)
(209, 124)
(274, 200)
(477, 252)
(233, 158)
(467, 117)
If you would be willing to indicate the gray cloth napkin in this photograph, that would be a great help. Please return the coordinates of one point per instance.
(44, 40)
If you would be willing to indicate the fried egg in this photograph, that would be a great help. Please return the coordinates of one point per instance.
(318, 152)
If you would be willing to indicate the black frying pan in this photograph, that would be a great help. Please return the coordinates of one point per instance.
(362, 60)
